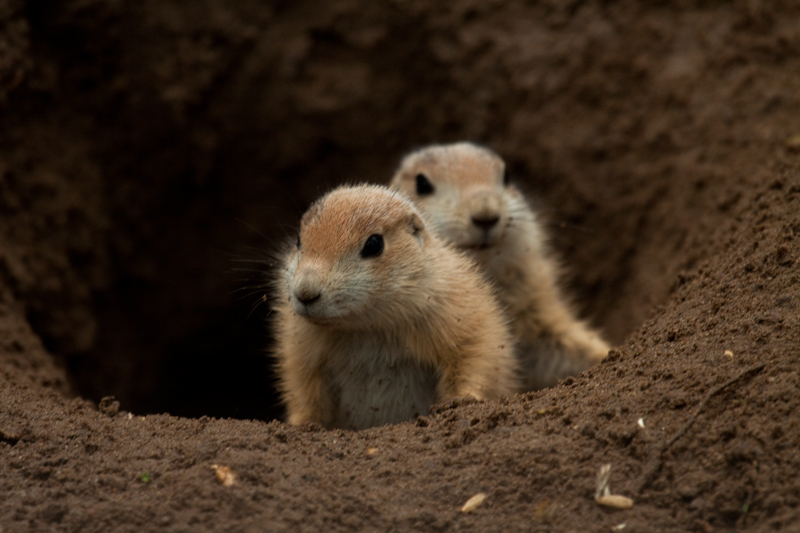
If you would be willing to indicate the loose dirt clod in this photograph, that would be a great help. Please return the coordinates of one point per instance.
(793, 143)
(108, 406)
(473, 503)
(703, 526)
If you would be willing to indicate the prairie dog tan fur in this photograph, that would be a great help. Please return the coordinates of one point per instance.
(378, 318)
(463, 191)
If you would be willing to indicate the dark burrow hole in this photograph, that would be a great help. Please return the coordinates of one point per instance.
(221, 370)
(191, 337)
(184, 328)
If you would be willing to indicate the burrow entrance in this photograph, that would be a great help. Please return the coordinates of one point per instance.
(182, 144)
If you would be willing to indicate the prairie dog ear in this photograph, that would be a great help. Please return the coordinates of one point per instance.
(416, 224)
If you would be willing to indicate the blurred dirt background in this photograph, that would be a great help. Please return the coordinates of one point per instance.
(153, 155)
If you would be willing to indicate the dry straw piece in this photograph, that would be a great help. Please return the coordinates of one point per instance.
(224, 475)
(615, 501)
(473, 503)
(603, 494)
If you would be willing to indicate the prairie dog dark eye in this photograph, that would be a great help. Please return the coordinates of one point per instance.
(373, 247)
(506, 178)
(424, 186)
(298, 241)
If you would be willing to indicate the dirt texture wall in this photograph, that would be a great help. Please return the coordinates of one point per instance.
(154, 154)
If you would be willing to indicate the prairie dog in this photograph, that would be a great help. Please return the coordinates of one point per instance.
(378, 318)
(464, 192)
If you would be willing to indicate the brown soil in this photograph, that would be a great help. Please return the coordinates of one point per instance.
(149, 149)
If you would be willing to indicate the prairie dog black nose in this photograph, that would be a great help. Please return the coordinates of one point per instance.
(484, 208)
(307, 284)
(307, 296)
(485, 222)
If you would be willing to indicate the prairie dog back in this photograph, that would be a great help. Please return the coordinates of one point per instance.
(463, 190)
(378, 318)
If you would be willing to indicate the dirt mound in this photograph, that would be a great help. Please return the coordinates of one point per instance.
(151, 151)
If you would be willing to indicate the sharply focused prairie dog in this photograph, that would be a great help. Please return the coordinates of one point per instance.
(378, 318)
(463, 191)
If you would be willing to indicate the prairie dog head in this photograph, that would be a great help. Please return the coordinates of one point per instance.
(359, 258)
(464, 192)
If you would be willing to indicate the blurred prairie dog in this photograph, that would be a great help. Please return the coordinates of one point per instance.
(378, 318)
(464, 193)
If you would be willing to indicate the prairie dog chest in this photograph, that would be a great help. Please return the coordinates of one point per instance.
(375, 383)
